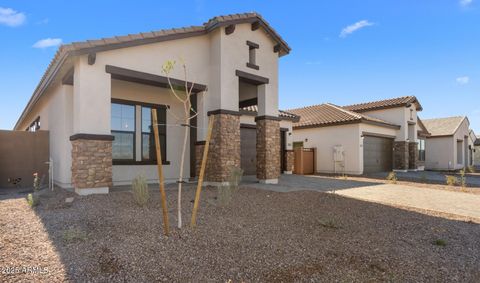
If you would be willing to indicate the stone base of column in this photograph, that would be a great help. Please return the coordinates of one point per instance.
(413, 155)
(91, 163)
(224, 150)
(268, 149)
(199, 147)
(400, 155)
(289, 161)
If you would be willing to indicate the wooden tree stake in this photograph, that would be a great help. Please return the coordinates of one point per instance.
(160, 172)
(202, 172)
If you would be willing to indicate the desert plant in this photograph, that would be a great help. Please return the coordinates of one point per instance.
(440, 242)
(36, 182)
(392, 177)
(74, 235)
(463, 179)
(188, 114)
(32, 199)
(329, 223)
(471, 169)
(451, 180)
(226, 192)
(140, 191)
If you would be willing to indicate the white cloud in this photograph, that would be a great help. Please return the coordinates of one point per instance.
(465, 3)
(48, 42)
(354, 27)
(11, 18)
(463, 80)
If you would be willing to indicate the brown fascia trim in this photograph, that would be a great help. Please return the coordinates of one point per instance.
(251, 78)
(224, 111)
(440, 136)
(248, 126)
(229, 29)
(92, 137)
(283, 118)
(139, 103)
(411, 123)
(284, 129)
(380, 124)
(200, 142)
(124, 74)
(370, 134)
(267, 117)
(253, 44)
(253, 66)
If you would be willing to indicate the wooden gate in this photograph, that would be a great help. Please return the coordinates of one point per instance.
(305, 161)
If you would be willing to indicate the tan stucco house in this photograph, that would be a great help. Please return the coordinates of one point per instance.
(96, 97)
(477, 151)
(370, 137)
(448, 144)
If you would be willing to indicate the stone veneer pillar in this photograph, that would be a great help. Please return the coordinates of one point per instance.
(224, 150)
(289, 161)
(268, 149)
(91, 163)
(400, 155)
(413, 155)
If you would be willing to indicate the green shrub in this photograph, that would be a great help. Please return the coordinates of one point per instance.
(392, 177)
(471, 169)
(33, 199)
(140, 191)
(451, 180)
(440, 242)
(225, 192)
(74, 235)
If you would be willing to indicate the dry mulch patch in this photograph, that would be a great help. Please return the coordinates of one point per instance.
(260, 236)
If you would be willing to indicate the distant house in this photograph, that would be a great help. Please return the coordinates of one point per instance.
(477, 151)
(96, 97)
(447, 146)
(370, 137)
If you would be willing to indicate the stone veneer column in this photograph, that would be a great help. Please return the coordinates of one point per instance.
(224, 150)
(412, 155)
(289, 161)
(91, 163)
(268, 149)
(400, 155)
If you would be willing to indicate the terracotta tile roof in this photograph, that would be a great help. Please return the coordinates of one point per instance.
(330, 115)
(283, 114)
(103, 44)
(384, 104)
(443, 126)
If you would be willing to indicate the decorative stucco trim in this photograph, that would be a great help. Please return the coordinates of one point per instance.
(224, 111)
(251, 78)
(92, 137)
(267, 117)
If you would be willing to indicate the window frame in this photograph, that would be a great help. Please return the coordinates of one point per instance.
(420, 150)
(159, 107)
(130, 160)
(34, 126)
(137, 130)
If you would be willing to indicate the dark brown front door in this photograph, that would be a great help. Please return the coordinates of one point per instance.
(282, 151)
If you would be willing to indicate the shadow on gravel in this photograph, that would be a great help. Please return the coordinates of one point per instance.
(260, 236)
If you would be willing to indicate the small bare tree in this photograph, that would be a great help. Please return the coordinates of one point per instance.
(184, 96)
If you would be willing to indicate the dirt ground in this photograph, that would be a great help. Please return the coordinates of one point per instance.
(260, 236)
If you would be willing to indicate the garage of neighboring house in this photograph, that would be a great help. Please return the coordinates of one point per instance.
(345, 142)
(377, 154)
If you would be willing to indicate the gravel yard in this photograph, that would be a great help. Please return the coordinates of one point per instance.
(260, 236)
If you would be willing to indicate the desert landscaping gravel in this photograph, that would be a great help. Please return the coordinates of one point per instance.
(260, 236)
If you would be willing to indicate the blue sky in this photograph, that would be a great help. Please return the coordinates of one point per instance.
(342, 51)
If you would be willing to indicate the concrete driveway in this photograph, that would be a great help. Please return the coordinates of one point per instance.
(455, 203)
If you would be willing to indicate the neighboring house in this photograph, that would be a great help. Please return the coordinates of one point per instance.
(422, 135)
(477, 151)
(371, 137)
(471, 148)
(96, 97)
(447, 145)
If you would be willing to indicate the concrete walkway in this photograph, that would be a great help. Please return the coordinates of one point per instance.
(457, 203)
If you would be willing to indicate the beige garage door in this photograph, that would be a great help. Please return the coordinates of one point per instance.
(377, 154)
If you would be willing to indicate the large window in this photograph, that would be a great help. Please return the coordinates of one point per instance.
(123, 129)
(148, 138)
(421, 150)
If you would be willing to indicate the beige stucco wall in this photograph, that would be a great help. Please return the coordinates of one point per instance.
(55, 111)
(477, 155)
(441, 152)
(399, 116)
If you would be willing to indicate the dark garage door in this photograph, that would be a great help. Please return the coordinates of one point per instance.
(377, 154)
(248, 151)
